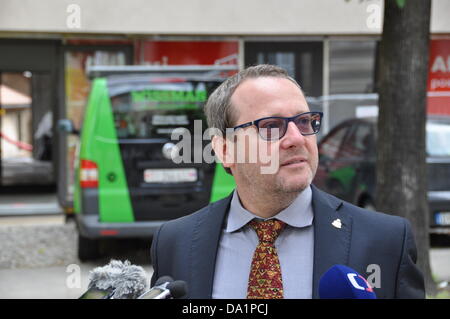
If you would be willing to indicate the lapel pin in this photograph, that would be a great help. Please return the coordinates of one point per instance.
(337, 223)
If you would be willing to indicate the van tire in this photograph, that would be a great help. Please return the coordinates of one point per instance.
(88, 249)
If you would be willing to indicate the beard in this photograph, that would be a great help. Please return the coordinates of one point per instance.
(281, 183)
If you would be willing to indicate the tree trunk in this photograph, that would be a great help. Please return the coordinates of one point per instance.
(401, 156)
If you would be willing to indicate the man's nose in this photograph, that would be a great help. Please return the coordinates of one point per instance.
(293, 137)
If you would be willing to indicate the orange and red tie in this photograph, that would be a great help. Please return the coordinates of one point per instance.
(265, 281)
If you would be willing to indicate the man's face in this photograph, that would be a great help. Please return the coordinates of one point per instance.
(264, 97)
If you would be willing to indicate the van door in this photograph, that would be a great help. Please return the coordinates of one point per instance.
(145, 115)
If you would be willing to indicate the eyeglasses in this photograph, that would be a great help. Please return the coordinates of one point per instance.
(274, 127)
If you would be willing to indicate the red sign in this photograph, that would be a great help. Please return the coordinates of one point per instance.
(439, 77)
(187, 52)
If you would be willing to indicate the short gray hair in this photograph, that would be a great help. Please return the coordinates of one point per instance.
(218, 109)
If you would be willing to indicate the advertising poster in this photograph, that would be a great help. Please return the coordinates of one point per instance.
(439, 77)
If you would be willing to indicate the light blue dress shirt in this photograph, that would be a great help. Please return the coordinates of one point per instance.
(295, 247)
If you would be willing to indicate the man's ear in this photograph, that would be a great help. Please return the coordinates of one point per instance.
(223, 149)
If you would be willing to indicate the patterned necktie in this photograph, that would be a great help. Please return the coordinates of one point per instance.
(265, 280)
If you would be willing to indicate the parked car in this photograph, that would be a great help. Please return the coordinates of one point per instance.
(347, 160)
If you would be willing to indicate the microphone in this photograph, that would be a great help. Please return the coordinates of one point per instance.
(342, 282)
(166, 288)
(116, 280)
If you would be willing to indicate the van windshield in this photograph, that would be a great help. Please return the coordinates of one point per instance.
(155, 111)
(438, 139)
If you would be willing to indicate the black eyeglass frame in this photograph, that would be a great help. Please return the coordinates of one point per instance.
(286, 119)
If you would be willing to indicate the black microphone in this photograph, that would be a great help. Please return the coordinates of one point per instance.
(342, 282)
(166, 288)
(116, 280)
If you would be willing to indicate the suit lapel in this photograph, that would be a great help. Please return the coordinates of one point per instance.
(331, 243)
(205, 242)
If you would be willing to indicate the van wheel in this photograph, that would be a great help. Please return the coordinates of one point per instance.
(88, 249)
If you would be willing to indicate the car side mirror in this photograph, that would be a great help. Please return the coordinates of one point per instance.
(67, 126)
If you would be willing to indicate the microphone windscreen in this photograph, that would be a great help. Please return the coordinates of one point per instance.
(177, 289)
(342, 282)
(124, 280)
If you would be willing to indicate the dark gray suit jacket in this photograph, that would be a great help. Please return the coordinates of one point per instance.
(186, 248)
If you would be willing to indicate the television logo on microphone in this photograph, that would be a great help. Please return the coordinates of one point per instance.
(352, 278)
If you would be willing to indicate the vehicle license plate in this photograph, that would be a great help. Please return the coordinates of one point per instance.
(442, 218)
(171, 175)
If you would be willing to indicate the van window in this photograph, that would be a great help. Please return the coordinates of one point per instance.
(156, 112)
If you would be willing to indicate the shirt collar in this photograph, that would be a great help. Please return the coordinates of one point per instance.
(298, 214)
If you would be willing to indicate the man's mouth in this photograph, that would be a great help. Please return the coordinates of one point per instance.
(294, 162)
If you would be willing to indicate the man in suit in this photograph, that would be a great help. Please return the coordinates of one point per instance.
(277, 234)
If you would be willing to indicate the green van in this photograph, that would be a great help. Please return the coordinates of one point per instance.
(126, 182)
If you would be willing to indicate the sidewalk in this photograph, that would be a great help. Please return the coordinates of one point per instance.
(48, 283)
(29, 204)
(440, 263)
